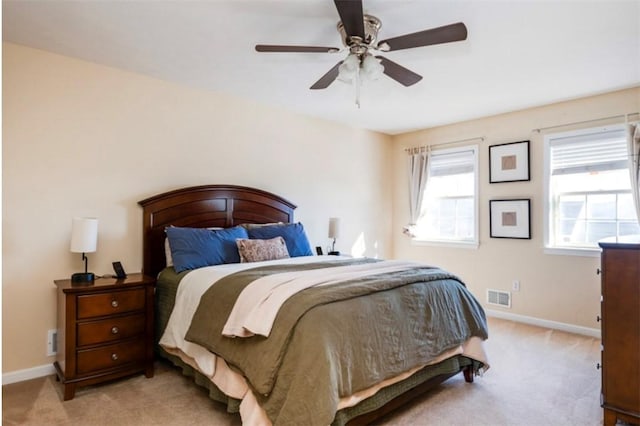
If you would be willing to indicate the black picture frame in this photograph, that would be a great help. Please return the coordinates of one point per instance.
(510, 218)
(509, 162)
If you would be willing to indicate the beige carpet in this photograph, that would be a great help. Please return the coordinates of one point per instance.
(537, 377)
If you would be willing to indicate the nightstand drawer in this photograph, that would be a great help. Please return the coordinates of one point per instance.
(96, 305)
(110, 356)
(111, 329)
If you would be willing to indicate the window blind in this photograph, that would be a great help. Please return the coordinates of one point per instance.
(600, 150)
(452, 163)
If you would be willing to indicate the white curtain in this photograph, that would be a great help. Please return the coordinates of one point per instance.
(633, 144)
(417, 165)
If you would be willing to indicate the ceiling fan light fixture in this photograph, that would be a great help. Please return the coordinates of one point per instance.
(372, 67)
(349, 72)
(367, 67)
(358, 68)
(349, 68)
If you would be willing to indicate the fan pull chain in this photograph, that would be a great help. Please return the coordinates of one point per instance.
(357, 84)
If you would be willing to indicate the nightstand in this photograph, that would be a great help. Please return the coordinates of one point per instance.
(105, 330)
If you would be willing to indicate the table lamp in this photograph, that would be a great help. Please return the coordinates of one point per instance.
(334, 232)
(84, 239)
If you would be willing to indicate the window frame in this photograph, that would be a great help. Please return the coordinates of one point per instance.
(549, 203)
(468, 244)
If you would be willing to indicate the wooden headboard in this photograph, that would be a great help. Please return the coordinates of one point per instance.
(202, 207)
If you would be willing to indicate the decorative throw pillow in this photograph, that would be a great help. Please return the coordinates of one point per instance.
(193, 248)
(259, 250)
(293, 234)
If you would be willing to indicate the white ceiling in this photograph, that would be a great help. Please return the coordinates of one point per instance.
(518, 53)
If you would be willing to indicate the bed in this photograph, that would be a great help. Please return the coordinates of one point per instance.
(283, 388)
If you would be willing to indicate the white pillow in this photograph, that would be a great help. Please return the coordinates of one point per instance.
(248, 226)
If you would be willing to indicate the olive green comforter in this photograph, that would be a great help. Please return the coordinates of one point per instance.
(335, 340)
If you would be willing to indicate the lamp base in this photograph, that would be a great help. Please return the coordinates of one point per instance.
(83, 278)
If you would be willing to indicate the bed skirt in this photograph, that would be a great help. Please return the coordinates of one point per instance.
(446, 368)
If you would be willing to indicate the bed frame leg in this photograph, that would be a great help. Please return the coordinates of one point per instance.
(468, 374)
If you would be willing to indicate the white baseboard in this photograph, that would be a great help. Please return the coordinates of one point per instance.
(28, 374)
(570, 328)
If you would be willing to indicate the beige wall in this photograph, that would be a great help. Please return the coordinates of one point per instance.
(83, 139)
(556, 288)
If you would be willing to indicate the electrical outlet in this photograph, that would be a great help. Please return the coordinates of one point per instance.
(52, 342)
(515, 285)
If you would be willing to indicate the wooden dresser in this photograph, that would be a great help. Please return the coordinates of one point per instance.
(620, 312)
(105, 330)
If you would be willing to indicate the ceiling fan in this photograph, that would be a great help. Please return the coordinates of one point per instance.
(359, 35)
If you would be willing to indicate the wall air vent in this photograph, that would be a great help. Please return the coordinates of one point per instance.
(52, 342)
(500, 298)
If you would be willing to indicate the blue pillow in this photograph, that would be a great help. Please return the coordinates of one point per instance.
(293, 233)
(193, 248)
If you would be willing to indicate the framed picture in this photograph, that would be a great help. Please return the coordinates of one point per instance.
(509, 162)
(510, 218)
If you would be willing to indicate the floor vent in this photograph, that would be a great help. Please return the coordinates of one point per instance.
(500, 298)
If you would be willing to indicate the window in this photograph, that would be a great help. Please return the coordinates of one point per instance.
(449, 208)
(588, 188)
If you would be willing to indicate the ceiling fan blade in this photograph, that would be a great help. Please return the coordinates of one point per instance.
(327, 79)
(303, 49)
(352, 17)
(399, 73)
(445, 34)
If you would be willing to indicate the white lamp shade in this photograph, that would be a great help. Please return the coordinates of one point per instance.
(348, 69)
(372, 68)
(334, 227)
(84, 234)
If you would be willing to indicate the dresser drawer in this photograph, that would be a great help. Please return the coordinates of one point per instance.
(101, 304)
(110, 329)
(110, 356)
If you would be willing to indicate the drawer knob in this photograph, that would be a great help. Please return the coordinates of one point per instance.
(114, 330)
(114, 303)
(115, 357)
